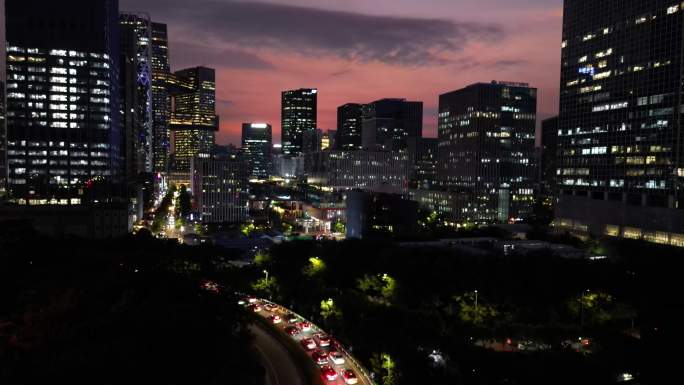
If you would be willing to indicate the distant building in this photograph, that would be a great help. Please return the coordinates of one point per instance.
(219, 187)
(63, 112)
(620, 159)
(349, 126)
(455, 205)
(329, 140)
(257, 142)
(388, 123)
(487, 146)
(298, 119)
(161, 100)
(370, 213)
(288, 167)
(193, 122)
(423, 159)
(549, 148)
(372, 170)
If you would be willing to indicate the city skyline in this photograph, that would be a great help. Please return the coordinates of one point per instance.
(450, 48)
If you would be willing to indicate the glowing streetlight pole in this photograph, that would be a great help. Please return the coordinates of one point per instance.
(476, 303)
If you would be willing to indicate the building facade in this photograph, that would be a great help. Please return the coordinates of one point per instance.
(219, 187)
(193, 123)
(619, 136)
(298, 120)
(349, 126)
(372, 213)
(548, 156)
(487, 145)
(3, 143)
(388, 123)
(161, 100)
(136, 94)
(370, 170)
(423, 159)
(257, 144)
(63, 120)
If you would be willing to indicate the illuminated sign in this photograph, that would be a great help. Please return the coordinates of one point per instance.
(259, 125)
(587, 71)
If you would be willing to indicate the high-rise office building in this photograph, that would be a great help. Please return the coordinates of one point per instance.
(388, 123)
(136, 94)
(63, 120)
(220, 189)
(193, 122)
(161, 101)
(487, 145)
(298, 120)
(257, 144)
(349, 126)
(620, 167)
(3, 143)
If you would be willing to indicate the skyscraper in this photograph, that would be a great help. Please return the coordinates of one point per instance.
(387, 123)
(257, 142)
(63, 126)
(349, 126)
(486, 146)
(136, 94)
(161, 101)
(619, 140)
(193, 119)
(298, 116)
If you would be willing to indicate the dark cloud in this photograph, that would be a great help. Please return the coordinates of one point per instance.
(186, 54)
(312, 31)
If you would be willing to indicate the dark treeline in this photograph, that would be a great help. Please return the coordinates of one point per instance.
(112, 312)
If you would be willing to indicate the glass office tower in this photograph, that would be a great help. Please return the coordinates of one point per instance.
(63, 126)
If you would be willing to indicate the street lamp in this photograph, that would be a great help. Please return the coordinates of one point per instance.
(476, 303)
(582, 307)
(266, 272)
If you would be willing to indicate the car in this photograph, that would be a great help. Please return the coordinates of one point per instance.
(336, 357)
(323, 340)
(275, 319)
(270, 307)
(320, 357)
(349, 377)
(328, 373)
(292, 330)
(251, 299)
(309, 344)
(305, 326)
(255, 307)
(242, 302)
(291, 318)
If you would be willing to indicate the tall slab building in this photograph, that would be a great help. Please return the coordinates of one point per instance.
(388, 123)
(257, 148)
(63, 120)
(487, 149)
(349, 126)
(161, 100)
(136, 94)
(194, 122)
(298, 120)
(620, 163)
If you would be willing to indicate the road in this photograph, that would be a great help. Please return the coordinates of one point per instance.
(284, 374)
(281, 369)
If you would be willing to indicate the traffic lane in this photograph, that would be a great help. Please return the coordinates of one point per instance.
(281, 369)
(310, 334)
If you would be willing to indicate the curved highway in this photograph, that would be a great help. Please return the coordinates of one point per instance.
(281, 368)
